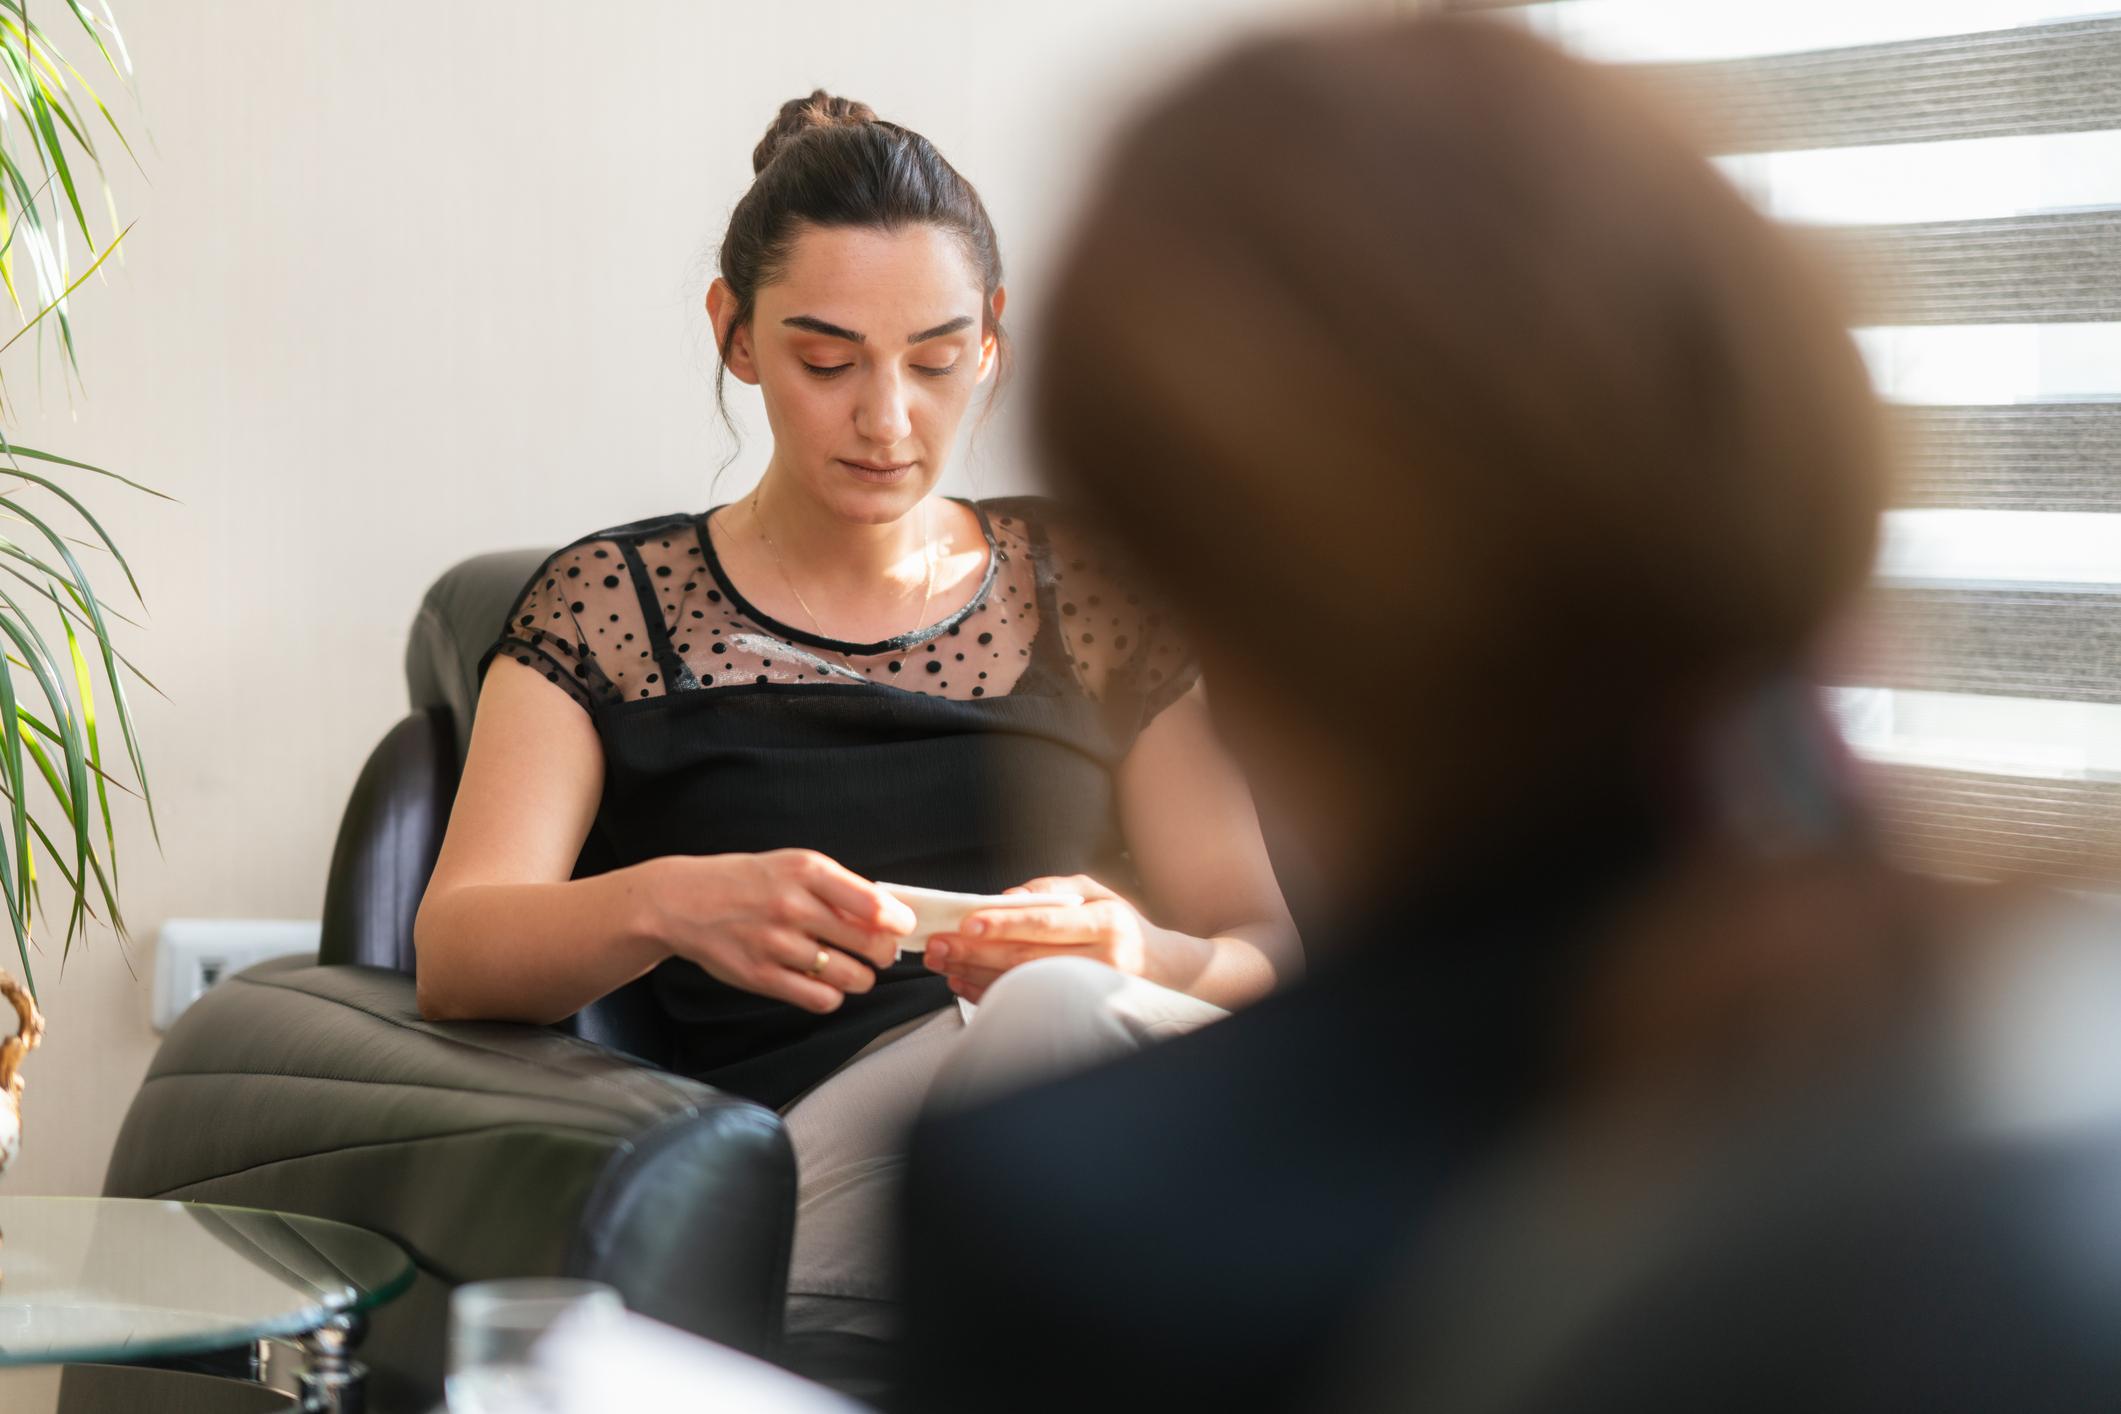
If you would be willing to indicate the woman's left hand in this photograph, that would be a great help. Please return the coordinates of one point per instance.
(1104, 928)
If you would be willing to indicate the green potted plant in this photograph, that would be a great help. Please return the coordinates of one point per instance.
(56, 776)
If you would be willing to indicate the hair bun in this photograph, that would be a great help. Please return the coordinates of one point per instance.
(799, 115)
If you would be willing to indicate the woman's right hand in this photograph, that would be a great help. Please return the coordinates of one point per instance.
(761, 922)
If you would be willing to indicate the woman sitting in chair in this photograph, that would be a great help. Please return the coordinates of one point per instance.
(702, 738)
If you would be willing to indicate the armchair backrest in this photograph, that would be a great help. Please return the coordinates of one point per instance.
(458, 620)
(394, 822)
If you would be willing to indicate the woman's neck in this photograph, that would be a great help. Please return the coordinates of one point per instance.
(831, 558)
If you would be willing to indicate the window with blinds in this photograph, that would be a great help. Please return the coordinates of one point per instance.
(1963, 159)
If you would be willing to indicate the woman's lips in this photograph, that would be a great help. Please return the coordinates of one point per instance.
(870, 472)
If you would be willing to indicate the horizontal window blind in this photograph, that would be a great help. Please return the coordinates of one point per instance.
(2012, 456)
(2050, 78)
(1983, 824)
(2061, 642)
(1961, 161)
(2063, 265)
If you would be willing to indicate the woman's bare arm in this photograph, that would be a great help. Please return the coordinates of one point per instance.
(1194, 833)
(503, 932)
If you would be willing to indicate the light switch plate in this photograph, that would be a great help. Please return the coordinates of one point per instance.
(193, 954)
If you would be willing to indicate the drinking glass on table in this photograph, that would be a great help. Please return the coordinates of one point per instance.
(492, 1327)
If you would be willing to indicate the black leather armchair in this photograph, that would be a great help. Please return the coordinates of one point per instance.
(486, 1149)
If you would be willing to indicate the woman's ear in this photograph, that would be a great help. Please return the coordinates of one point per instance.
(721, 312)
(990, 347)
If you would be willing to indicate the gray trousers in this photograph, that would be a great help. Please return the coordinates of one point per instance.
(1038, 1021)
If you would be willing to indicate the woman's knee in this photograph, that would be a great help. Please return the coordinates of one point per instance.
(1037, 1022)
(1052, 986)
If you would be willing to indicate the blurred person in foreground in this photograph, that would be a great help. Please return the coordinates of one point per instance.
(1511, 472)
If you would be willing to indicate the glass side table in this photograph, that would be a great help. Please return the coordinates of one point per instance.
(273, 1298)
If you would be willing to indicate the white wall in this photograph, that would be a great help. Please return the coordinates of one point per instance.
(416, 281)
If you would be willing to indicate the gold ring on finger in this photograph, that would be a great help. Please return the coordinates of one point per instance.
(817, 969)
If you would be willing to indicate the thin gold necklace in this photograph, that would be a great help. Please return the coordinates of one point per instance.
(927, 553)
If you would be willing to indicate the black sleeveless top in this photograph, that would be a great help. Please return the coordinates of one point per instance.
(973, 754)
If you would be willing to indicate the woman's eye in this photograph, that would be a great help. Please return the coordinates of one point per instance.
(833, 370)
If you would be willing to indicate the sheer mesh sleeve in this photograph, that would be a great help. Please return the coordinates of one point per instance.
(1126, 647)
(575, 618)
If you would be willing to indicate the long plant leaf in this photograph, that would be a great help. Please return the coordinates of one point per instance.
(11, 743)
(74, 883)
(7, 254)
(58, 789)
(110, 22)
(92, 546)
(42, 728)
(113, 245)
(7, 246)
(45, 246)
(86, 599)
(30, 645)
(44, 72)
(111, 122)
(95, 868)
(15, 552)
(51, 852)
(42, 260)
(30, 106)
(11, 747)
(41, 110)
(117, 920)
(74, 614)
(88, 23)
(59, 102)
(16, 449)
(86, 688)
(83, 511)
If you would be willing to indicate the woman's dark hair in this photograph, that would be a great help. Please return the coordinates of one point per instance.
(829, 161)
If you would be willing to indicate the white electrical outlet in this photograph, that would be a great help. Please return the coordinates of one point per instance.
(192, 954)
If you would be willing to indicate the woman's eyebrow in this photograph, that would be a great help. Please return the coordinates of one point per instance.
(947, 327)
(819, 326)
(816, 325)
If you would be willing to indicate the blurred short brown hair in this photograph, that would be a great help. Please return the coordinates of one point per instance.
(1456, 399)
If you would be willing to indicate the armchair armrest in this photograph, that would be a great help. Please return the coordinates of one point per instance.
(484, 1148)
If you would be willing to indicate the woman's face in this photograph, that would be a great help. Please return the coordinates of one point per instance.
(866, 351)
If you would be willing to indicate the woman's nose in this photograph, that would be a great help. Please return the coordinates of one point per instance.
(882, 416)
